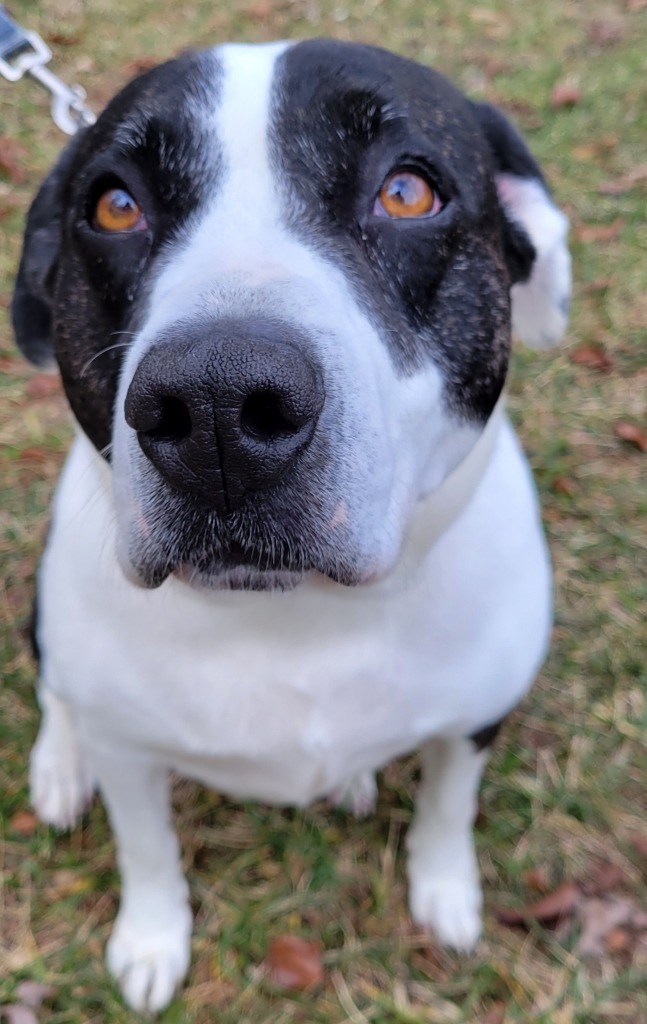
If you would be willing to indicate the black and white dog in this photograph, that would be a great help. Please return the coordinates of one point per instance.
(296, 536)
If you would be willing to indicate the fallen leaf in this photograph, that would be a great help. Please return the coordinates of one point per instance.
(34, 454)
(24, 823)
(495, 1015)
(294, 963)
(599, 917)
(602, 878)
(549, 909)
(593, 149)
(632, 434)
(58, 38)
(13, 158)
(592, 356)
(565, 94)
(33, 993)
(17, 1014)
(43, 385)
(618, 940)
(618, 186)
(606, 31)
(640, 843)
(599, 284)
(588, 233)
(139, 66)
(536, 878)
(259, 10)
(562, 485)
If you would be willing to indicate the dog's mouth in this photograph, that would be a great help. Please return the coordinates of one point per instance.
(208, 552)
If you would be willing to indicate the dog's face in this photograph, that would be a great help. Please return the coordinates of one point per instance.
(277, 283)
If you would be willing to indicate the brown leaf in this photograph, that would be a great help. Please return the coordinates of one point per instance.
(589, 233)
(33, 993)
(602, 879)
(548, 910)
(631, 433)
(17, 1014)
(294, 963)
(24, 823)
(139, 66)
(599, 284)
(62, 38)
(43, 385)
(592, 356)
(562, 485)
(598, 918)
(618, 940)
(495, 1015)
(13, 157)
(618, 186)
(606, 31)
(565, 94)
(640, 843)
(536, 878)
(259, 10)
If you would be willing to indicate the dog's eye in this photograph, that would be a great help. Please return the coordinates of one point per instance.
(407, 194)
(116, 210)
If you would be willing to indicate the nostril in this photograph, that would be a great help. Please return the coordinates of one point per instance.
(172, 420)
(263, 416)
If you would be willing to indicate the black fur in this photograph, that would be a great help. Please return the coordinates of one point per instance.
(486, 736)
(151, 140)
(345, 117)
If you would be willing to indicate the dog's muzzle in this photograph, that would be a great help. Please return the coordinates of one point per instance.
(227, 408)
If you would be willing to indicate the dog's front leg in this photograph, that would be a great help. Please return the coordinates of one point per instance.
(149, 949)
(444, 886)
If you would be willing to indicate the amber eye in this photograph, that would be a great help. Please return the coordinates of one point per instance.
(118, 211)
(407, 194)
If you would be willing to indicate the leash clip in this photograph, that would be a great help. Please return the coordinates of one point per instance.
(25, 53)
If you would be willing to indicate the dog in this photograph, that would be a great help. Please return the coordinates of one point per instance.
(295, 536)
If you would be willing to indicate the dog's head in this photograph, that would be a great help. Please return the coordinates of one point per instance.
(279, 283)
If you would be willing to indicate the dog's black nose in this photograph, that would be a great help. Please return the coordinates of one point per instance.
(224, 409)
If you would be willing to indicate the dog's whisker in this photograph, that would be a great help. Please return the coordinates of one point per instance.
(103, 352)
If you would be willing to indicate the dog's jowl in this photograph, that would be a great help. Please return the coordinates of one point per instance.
(295, 536)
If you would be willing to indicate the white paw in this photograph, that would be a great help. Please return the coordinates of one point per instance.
(358, 795)
(150, 963)
(60, 782)
(448, 905)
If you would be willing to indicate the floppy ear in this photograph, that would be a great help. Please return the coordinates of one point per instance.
(535, 232)
(32, 298)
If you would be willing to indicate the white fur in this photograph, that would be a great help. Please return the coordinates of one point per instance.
(540, 305)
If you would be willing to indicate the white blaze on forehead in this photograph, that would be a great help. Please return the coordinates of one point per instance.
(244, 113)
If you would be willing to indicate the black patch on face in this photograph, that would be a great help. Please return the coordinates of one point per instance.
(152, 141)
(345, 117)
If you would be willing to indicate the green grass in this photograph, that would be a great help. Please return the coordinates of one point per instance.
(566, 785)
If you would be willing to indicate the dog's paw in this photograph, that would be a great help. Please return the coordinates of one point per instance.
(150, 963)
(358, 795)
(61, 785)
(449, 906)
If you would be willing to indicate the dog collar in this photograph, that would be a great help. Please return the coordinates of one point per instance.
(435, 513)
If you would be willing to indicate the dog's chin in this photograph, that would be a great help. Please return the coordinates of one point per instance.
(215, 576)
(241, 577)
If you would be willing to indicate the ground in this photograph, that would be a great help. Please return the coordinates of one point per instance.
(563, 804)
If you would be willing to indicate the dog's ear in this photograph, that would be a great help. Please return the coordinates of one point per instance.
(32, 298)
(535, 233)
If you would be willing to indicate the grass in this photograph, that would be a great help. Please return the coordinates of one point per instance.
(566, 786)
